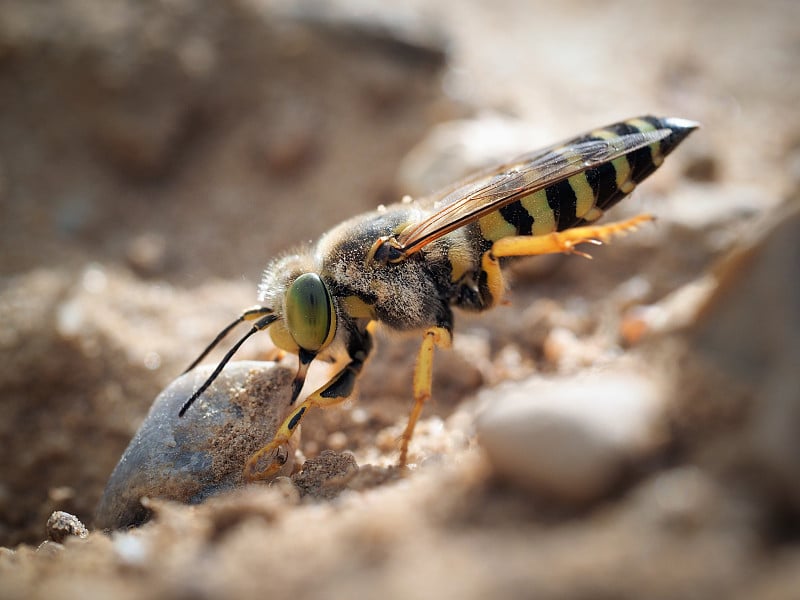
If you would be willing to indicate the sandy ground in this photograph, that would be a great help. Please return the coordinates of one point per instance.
(624, 427)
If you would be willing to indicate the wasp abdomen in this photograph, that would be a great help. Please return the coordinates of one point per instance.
(584, 197)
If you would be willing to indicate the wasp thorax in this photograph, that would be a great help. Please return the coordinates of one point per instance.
(309, 312)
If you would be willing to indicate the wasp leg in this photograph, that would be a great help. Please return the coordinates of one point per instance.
(423, 378)
(336, 391)
(492, 282)
(564, 241)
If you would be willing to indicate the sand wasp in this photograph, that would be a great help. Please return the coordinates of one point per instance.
(408, 265)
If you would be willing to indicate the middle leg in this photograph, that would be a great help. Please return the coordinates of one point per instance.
(423, 380)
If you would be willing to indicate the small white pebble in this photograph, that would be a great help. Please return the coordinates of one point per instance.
(152, 361)
(359, 416)
(70, 319)
(130, 549)
(683, 496)
(433, 426)
(387, 440)
(337, 441)
(94, 279)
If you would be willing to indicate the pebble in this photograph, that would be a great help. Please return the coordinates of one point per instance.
(327, 475)
(61, 525)
(146, 254)
(570, 439)
(681, 498)
(201, 454)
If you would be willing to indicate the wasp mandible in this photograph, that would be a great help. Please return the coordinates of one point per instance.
(407, 266)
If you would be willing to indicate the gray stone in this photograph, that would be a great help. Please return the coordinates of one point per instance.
(749, 332)
(201, 454)
(570, 438)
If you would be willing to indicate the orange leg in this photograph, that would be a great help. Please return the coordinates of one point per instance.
(564, 241)
(423, 379)
(552, 243)
(267, 461)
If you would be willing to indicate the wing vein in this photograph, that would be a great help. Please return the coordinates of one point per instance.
(495, 188)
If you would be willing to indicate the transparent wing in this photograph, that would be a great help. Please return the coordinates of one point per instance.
(497, 187)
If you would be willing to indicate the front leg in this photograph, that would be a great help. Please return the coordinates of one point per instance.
(337, 390)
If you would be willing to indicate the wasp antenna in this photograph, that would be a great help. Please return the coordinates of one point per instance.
(220, 336)
(247, 315)
(258, 326)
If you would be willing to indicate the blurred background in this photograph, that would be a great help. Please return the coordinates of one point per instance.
(155, 154)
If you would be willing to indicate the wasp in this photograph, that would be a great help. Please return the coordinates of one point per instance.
(407, 266)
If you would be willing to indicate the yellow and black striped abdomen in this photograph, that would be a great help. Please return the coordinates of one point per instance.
(582, 198)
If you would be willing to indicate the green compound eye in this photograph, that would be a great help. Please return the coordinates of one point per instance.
(310, 315)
